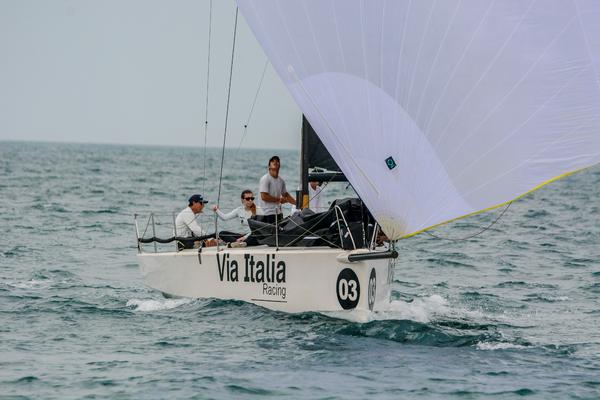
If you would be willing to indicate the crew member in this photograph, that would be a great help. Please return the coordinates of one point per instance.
(273, 194)
(186, 224)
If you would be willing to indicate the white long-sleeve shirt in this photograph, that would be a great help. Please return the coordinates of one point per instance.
(186, 223)
(316, 200)
(240, 213)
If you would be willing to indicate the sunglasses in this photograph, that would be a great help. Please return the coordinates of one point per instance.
(248, 198)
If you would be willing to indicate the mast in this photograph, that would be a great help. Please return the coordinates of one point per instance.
(316, 164)
(302, 196)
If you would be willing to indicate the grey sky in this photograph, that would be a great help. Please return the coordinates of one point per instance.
(134, 71)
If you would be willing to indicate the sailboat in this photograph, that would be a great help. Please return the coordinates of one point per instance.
(433, 111)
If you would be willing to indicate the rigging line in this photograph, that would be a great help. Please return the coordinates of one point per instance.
(306, 231)
(207, 86)
(226, 117)
(309, 232)
(324, 185)
(474, 235)
(269, 227)
(253, 104)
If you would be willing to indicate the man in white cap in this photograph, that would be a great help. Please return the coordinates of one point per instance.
(186, 224)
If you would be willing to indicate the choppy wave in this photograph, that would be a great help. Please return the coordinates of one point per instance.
(411, 332)
(149, 305)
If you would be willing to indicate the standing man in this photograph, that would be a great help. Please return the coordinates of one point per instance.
(273, 194)
(186, 224)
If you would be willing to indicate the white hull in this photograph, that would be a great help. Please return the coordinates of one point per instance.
(318, 279)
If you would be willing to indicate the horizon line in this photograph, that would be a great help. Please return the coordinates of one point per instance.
(42, 141)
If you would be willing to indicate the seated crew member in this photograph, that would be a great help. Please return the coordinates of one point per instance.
(273, 194)
(186, 224)
(242, 213)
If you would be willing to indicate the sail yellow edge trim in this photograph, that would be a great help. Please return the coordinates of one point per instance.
(497, 205)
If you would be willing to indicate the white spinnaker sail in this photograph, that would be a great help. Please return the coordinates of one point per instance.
(477, 101)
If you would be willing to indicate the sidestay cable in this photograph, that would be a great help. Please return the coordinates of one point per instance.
(207, 87)
(226, 119)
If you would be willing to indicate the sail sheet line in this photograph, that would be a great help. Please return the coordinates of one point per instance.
(474, 234)
(497, 205)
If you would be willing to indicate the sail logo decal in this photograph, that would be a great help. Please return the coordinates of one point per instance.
(391, 164)
(267, 272)
(372, 289)
(348, 289)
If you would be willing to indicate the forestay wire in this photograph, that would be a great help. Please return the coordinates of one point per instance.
(207, 87)
(226, 118)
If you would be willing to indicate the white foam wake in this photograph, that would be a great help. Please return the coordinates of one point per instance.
(156, 305)
(419, 310)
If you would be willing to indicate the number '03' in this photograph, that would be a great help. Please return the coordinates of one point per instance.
(347, 290)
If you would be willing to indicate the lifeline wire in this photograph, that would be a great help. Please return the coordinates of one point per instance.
(226, 119)
(207, 82)
(474, 235)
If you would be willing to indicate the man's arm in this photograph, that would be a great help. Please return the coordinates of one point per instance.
(287, 198)
(268, 198)
(196, 228)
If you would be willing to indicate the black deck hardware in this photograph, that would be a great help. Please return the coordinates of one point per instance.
(374, 255)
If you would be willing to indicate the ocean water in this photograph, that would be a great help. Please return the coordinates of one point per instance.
(513, 312)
